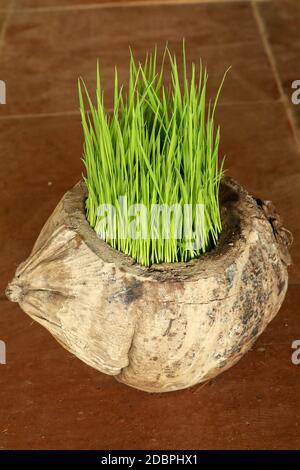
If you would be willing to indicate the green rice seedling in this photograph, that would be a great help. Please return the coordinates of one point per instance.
(157, 148)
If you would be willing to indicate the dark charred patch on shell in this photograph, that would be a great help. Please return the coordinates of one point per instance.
(131, 292)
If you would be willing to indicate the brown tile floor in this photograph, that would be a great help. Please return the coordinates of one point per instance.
(4, 4)
(84, 3)
(49, 398)
(281, 19)
(2, 19)
(50, 74)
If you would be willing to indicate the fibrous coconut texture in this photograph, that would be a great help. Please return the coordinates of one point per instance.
(161, 328)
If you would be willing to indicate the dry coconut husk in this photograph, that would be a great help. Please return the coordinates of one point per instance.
(161, 328)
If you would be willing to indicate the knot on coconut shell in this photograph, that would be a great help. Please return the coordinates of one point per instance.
(14, 292)
(283, 237)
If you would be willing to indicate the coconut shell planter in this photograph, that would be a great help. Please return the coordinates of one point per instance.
(157, 326)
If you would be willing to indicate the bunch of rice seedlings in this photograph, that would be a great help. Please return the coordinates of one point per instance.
(158, 146)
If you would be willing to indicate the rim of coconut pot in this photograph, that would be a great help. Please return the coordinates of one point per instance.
(238, 210)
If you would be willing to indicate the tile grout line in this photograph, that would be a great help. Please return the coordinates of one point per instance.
(128, 4)
(40, 115)
(272, 61)
(109, 110)
(5, 22)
